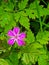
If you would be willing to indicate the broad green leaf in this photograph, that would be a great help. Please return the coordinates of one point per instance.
(24, 21)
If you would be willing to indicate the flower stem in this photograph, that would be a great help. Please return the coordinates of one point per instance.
(38, 13)
(44, 2)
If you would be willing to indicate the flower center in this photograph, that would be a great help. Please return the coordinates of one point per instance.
(15, 36)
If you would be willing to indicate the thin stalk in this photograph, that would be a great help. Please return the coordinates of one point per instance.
(38, 13)
(44, 19)
(43, 24)
(44, 2)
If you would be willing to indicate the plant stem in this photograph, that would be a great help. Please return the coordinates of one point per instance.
(44, 19)
(38, 13)
(44, 2)
(43, 23)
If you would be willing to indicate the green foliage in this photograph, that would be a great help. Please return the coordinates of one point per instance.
(23, 21)
(42, 60)
(22, 4)
(43, 37)
(14, 58)
(30, 37)
(3, 62)
(25, 14)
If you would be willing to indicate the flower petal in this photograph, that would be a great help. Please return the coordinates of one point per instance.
(10, 33)
(22, 35)
(20, 42)
(11, 41)
(16, 30)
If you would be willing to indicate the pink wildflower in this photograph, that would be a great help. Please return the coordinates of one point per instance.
(15, 36)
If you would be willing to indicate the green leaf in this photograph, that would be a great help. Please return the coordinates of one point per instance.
(10, 63)
(43, 37)
(48, 58)
(33, 57)
(29, 57)
(42, 60)
(8, 6)
(23, 13)
(30, 37)
(14, 58)
(36, 45)
(23, 4)
(3, 62)
(32, 5)
(25, 58)
(17, 16)
(6, 19)
(24, 21)
(30, 13)
(43, 11)
(19, 55)
(2, 36)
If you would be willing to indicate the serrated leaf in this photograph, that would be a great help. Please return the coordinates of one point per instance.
(7, 28)
(2, 36)
(10, 63)
(6, 19)
(30, 13)
(29, 57)
(22, 13)
(30, 37)
(24, 21)
(3, 62)
(32, 5)
(25, 58)
(14, 58)
(23, 4)
(43, 11)
(43, 37)
(8, 6)
(19, 55)
(17, 16)
(36, 45)
(42, 60)
(33, 57)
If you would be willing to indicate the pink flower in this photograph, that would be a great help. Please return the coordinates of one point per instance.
(15, 36)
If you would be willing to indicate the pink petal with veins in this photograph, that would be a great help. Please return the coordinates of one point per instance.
(22, 35)
(10, 33)
(16, 30)
(20, 42)
(11, 41)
